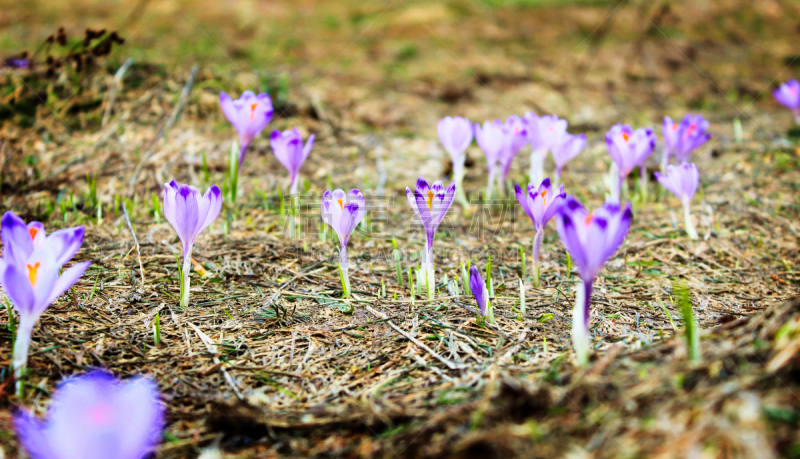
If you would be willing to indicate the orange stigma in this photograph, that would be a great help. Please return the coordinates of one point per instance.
(544, 197)
(33, 276)
(33, 232)
(430, 200)
(625, 136)
(588, 219)
(692, 127)
(341, 206)
(253, 110)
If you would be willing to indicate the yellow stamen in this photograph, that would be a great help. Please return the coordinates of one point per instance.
(430, 200)
(341, 206)
(32, 274)
(33, 232)
(253, 110)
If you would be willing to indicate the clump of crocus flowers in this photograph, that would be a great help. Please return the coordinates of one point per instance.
(541, 203)
(629, 149)
(29, 274)
(343, 212)
(95, 416)
(788, 94)
(430, 204)
(189, 213)
(681, 139)
(682, 181)
(455, 134)
(591, 239)
(290, 151)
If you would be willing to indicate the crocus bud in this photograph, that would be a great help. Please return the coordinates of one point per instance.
(190, 213)
(564, 149)
(479, 291)
(288, 148)
(682, 181)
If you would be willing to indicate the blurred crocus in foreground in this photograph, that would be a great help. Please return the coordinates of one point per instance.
(681, 139)
(481, 294)
(455, 134)
(29, 274)
(189, 213)
(590, 239)
(543, 134)
(95, 416)
(682, 181)
(343, 212)
(629, 149)
(541, 203)
(564, 150)
(290, 151)
(430, 203)
(789, 95)
(492, 139)
(249, 114)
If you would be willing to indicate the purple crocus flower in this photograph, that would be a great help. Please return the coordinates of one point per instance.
(564, 149)
(455, 134)
(682, 181)
(190, 213)
(493, 141)
(590, 239)
(543, 133)
(788, 94)
(516, 131)
(95, 416)
(681, 139)
(343, 212)
(481, 294)
(29, 274)
(249, 114)
(430, 203)
(541, 203)
(629, 149)
(289, 149)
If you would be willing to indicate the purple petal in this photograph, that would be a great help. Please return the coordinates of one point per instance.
(32, 434)
(67, 279)
(65, 243)
(18, 288)
(17, 241)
